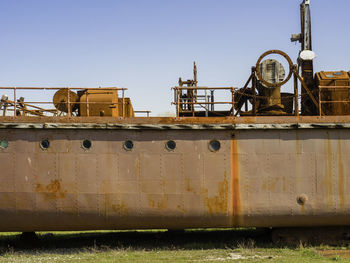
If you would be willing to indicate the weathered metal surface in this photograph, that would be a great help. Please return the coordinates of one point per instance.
(96, 102)
(184, 126)
(257, 178)
(106, 187)
(107, 171)
(61, 99)
(180, 120)
(334, 90)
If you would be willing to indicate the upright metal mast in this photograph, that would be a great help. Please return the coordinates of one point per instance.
(306, 63)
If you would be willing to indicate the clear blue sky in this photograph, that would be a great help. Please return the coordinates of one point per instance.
(145, 45)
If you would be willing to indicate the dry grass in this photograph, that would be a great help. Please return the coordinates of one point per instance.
(161, 246)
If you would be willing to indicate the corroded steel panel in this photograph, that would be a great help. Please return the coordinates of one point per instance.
(280, 177)
(285, 165)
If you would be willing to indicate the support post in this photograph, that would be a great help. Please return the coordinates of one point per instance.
(68, 103)
(254, 90)
(87, 103)
(15, 101)
(233, 100)
(123, 101)
(296, 92)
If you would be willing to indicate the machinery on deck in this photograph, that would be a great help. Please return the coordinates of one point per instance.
(87, 102)
(253, 156)
(325, 93)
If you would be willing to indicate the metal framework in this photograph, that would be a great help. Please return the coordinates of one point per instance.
(20, 107)
(189, 104)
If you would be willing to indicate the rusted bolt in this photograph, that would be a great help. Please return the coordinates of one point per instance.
(233, 135)
(301, 199)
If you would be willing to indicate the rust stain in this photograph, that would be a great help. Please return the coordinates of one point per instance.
(298, 161)
(235, 189)
(52, 191)
(218, 203)
(328, 171)
(273, 184)
(177, 120)
(107, 204)
(341, 177)
(270, 186)
(181, 208)
(138, 168)
(160, 204)
(284, 187)
(121, 209)
(303, 209)
(189, 188)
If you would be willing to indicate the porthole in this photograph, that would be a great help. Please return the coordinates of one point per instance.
(86, 144)
(214, 145)
(4, 144)
(45, 144)
(170, 145)
(128, 145)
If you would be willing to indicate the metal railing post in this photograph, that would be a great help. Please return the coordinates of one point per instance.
(123, 109)
(296, 92)
(87, 104)
(15, 101)
(68, 103)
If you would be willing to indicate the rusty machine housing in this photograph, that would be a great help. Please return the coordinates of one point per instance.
(260, 158)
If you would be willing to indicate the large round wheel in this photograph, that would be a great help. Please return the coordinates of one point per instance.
(60, 100)
(290, 63)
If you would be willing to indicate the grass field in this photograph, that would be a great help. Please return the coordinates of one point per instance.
(245, 245)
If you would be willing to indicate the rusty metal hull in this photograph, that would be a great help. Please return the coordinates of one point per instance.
(258, 178)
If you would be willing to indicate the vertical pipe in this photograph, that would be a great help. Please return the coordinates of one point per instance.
(206, 104)
(15, 101)
(254, 90)
(68, 103)
(296, 92)
(123, 101)
(233, 100)
(87, 104)
(193, 101)
(174, 101)
(177, 103)
(319, 101)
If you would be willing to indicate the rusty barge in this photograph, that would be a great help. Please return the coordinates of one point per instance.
(269, 159)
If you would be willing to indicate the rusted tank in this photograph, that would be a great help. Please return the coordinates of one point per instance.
(104, 102)
(96, 102)
(89, 163)
(334, 92)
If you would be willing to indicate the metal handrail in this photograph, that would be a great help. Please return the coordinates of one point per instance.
(19, 105)
(179, 101)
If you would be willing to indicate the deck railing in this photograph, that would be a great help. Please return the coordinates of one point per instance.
(19, 106)
(188, 100)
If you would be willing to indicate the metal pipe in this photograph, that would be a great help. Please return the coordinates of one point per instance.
(203, 88)
(68, 103)
(123, 109)
(296, 92)
(87, 104)
(15, 101)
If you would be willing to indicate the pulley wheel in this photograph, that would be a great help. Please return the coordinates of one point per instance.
(60, 100)
(278, 84)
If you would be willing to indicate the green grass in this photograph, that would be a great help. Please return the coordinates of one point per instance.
(244, 245)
